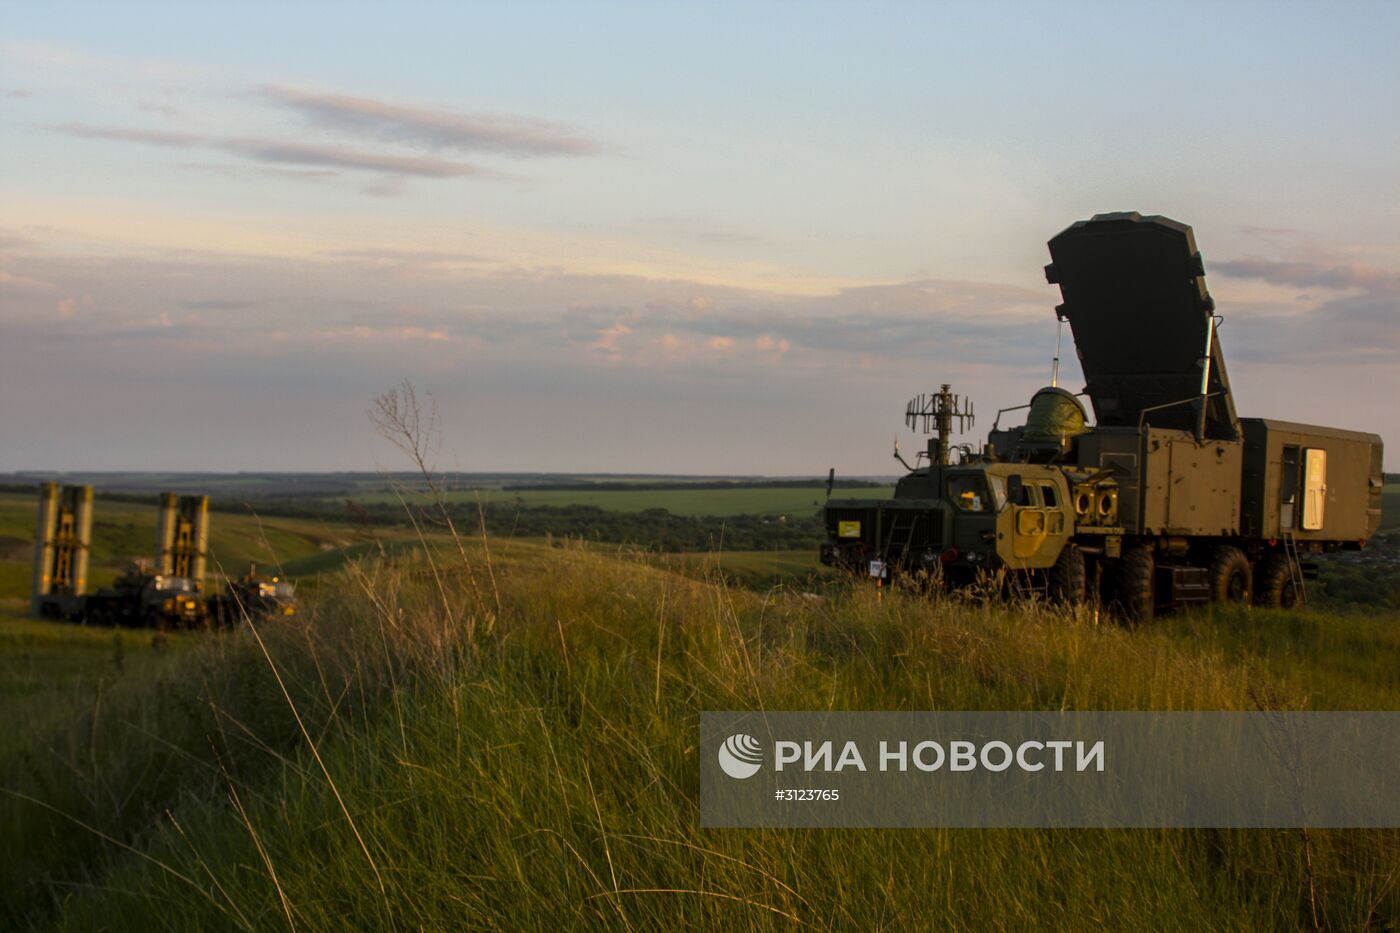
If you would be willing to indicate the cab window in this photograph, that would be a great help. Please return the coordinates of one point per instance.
(998, 492)
(1047, 495)
(969, 492)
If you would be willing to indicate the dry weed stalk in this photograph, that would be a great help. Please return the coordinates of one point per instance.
(400, 419)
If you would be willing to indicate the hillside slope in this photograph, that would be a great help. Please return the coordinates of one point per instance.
(413, 753)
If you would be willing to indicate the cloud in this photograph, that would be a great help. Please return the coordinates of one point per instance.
(1338, 276)
(218, 304)
(9, 280)
(1353, 318)
(166, 110)
(132, 134)
(385, 188)
(424, 257)
(16, 93)
(436, 129)
(313, 338)
(694, 229)
(285, 153)
(10, 241)
(336, 157)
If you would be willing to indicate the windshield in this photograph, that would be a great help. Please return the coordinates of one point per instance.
(173, 584)
(285, 590)
(968, 491)
(998, 492)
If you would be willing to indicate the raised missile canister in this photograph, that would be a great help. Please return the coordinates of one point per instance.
(62, 545)
(166, 521)
(79, 500)
(182, 536)
(197, 509)
(44, 544)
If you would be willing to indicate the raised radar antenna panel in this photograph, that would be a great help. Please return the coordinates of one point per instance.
(935, 414)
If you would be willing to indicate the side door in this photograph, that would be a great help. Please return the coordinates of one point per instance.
(1029, 524)
(1314, 487)
(1059, 525)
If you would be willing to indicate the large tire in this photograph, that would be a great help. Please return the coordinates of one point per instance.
(1134, 586)
(1231, 577)
(1068, 578)
(1274, 585)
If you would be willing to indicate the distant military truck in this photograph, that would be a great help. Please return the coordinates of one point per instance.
(168, 594)
(140, 598)
(255, 596)
(1168, 499)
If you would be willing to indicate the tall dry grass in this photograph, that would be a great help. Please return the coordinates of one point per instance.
(422, 773)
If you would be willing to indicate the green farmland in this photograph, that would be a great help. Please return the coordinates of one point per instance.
(739, 500)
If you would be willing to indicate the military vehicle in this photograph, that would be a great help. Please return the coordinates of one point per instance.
(141, 598)
(255, 595)
(1167, 499)
(166, 595)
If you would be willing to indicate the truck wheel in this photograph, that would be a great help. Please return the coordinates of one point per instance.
(1068, 577)
(1231, 577)
(1134, 589)
(1274, 586)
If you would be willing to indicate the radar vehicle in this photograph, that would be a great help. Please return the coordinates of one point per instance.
(1167, 498)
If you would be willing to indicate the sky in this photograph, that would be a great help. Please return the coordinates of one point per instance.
(702, 239)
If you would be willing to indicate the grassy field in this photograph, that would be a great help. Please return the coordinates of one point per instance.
(302, 548)
(427, 749)
(740, 500)
(429, 752)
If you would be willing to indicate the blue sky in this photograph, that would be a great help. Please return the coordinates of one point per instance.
(657, 237)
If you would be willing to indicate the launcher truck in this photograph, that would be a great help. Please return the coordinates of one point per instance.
(168, 594)
(256, 596)
(1169, 498)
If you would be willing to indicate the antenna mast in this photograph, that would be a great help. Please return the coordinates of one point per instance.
(937, 412)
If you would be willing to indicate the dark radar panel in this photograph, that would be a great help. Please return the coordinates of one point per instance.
(1135, 297)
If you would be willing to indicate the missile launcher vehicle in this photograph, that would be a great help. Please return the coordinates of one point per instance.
(255, 595)
(140, 598)
(1168, 498)
(168, 594)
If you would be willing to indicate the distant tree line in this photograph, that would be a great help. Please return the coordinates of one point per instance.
(655, 529)
(1371, 579)
(617, 486)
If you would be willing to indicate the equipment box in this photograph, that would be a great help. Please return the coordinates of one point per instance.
(1320, 484)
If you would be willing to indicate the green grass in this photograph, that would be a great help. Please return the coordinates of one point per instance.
(754, 569)
(46, 669)
(741, 500)
(535, 768)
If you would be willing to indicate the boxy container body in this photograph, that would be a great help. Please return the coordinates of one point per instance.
(1321, 484)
